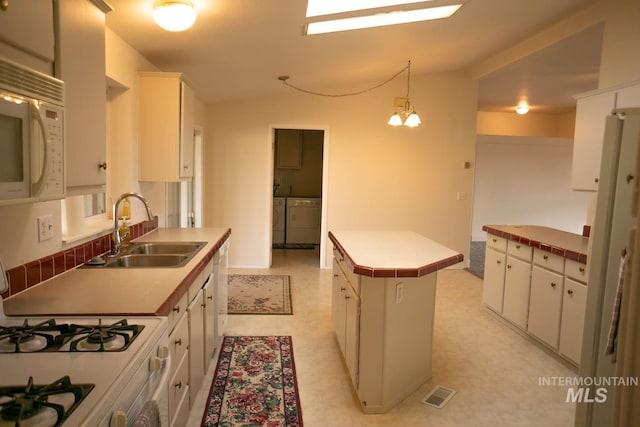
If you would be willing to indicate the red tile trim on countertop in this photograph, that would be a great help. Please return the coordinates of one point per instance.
(37, 271)
(580, 257)
(394, 272)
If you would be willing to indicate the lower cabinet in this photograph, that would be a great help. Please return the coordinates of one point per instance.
(574, 305)
(346, 320)
(493, 289)
(196, 316)
(515, 306)
(179, 379)
(545, 305)
(209, 319)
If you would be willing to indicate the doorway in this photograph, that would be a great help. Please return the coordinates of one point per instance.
(298, 189)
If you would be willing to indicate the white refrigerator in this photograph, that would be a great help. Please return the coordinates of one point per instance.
(611, 341)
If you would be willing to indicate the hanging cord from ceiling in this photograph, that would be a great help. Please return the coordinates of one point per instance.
(285, 79)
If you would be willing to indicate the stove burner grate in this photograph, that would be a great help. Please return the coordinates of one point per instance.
(20, 404)
(30, 338)
(115, 337)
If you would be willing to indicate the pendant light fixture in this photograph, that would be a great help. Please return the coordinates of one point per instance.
(406, 115)
(174, 15)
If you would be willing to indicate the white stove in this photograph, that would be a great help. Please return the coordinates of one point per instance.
(81, 371)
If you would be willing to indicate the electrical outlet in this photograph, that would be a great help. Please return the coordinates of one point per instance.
(45, 227)
(399, 292)
(461, 195)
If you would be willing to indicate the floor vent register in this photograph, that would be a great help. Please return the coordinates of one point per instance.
(439, 397)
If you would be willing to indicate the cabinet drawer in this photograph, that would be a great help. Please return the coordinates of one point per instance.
(178, 310)
(498, 243)
(548, 260)
(576, 270)
(352, 278)
(179, 341)
(178, 388)
(519, 250)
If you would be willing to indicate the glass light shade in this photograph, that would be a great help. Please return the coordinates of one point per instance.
(413, 120)
(174, 15)
(395, 120)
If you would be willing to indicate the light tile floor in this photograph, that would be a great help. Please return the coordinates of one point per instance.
(494, 369)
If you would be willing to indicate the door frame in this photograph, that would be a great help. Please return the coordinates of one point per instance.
(325, 186)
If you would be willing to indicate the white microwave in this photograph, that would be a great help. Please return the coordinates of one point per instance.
(31, 135)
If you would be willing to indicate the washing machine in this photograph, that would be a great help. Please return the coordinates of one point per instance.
(303, 220)
(279, 219)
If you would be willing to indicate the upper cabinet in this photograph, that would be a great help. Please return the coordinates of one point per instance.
(27, 35)
(81, 65)
(591, 110)
(167, 127)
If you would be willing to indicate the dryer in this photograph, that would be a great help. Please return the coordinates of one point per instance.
(303, 220)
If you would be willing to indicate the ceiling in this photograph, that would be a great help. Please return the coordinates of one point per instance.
(238, 48)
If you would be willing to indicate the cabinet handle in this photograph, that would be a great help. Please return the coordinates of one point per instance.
(545, 257)
(495, 240)
(210, 297)
(346, 297)
(629, 178)
(343, 289)
(102, 165)
(553, 285)
(185, 167)
(581, 269)
(178, 341)
(517, 246)
(498, 262)
(596, 180)
(570, 291)
(335, 275)
(509, 266)
(176, 309)
(178, 384)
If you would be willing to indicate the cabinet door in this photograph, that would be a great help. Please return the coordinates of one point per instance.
(339, 308)
(591, 112)
(209, 325)
(196, 344)
(493, 286)
(82, 67)
(545, 305)
(517, 279)
(187, 127)
(26, 34)
(352, 332)
(574, 304)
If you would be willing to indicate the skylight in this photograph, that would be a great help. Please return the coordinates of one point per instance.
(329, 7)
(380, 19)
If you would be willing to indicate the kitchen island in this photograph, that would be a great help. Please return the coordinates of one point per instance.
(383, 302)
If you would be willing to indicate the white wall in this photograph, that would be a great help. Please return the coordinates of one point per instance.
(526, 180)
(379, 177)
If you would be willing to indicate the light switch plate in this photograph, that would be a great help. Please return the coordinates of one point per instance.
(45, 227)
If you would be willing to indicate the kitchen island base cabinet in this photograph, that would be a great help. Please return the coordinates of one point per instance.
(517, 280)
(396, 336)
(574, 304)
(546, 305)
(493, 288)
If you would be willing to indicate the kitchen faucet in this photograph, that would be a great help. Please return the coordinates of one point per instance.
(115, 236)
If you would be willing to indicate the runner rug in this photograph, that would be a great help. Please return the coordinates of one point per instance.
(259, 294)
(254, 384)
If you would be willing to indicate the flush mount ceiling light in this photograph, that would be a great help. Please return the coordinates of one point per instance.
(405, 114)
(174, 15)
(522, 108)
(380, 19)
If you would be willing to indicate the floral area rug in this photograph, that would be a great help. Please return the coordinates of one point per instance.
(254, 384)
(259, 294)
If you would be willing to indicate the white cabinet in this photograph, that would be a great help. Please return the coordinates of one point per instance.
(196, 317)
(346, 319)
(574, 304)
(179, 376)
(493, 287)
(591, 111)
(26, 34)
(167, 127)
(517, 280)
(81, 64)
(209, 319)
(545, 305)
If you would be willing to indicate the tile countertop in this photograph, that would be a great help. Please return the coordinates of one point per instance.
(120, 291)
(390, 253)
(568, 245)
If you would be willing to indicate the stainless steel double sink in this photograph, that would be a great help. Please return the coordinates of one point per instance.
(150, 255)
